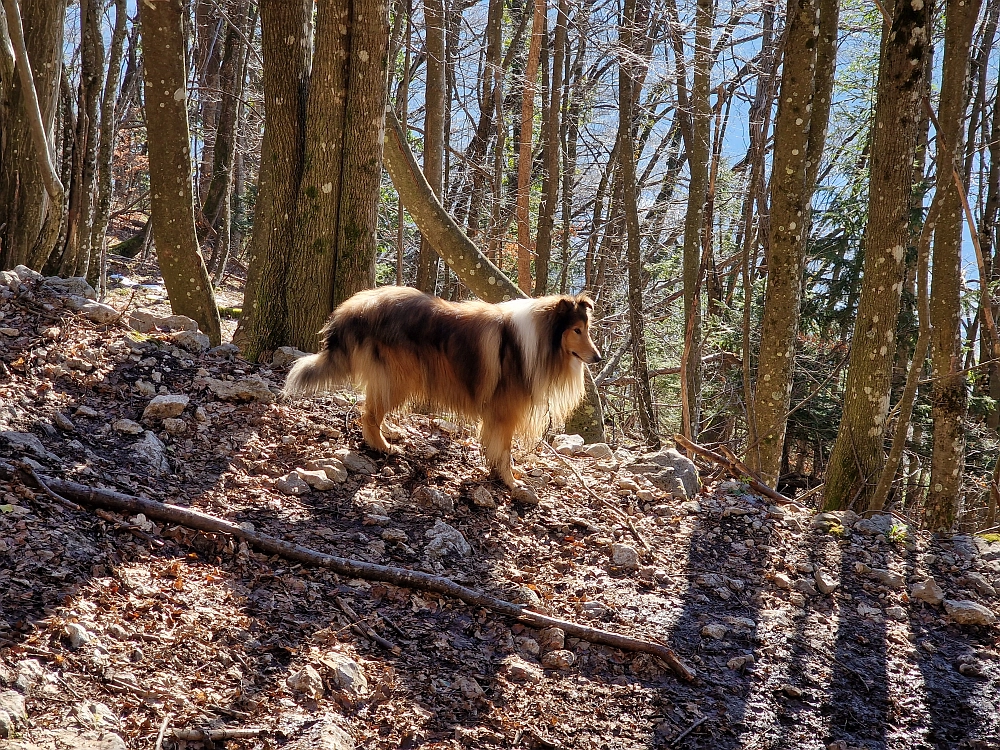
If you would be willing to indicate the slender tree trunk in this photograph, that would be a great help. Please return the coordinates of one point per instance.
(858, 455)
(697, 142)
(949, 397)
(791, 194)
(524, 161)
(262, 325)
(170, 178)
(435, 105)
(988, 236)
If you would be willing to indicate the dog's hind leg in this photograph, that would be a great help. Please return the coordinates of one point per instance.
(496, 436)
(381, 397)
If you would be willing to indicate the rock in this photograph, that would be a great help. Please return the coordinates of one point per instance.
(247, 389)
(980, 584)
(551, 639)
(625, 556)
(98, 312)
(866, 610)
(333, 468)
(627, 483)
(152, 451)
(306, 681)
(483, 498)
(888, 578)
(470, 688)
(193, 341)
(63, 422)
(927, 591)
(316, 479)
(395, 536)
(966, 612)
(715, 630)
(286, 355)
(78, 635)
(74, 285)
(7, 331)
(595, 609)
(145, 388)
(291, 484)
(560, 659)
(738, 662)
(144, 320)
(10, 280)
(879, 524)
(78, 363)
(598, 451)
(782, 581)
(516, 669)
(825, 582)
(85, 411)
(31, 674)
(645, 496)
(355, 462)
(25, 442)
(345, 673)
(971, 669)
(117, 632)
(791, 691)
(174, 426)
(26, 274)
(691, 507)
(568, 445)
(13, 713)
(527, 645)
(94, 714)
(127, 427)
(444, 540)
(165, 405)
(804, 586)
(670, 471)
(324, 735)
(896, 613)
(93, 739)
(524, 495)
(431, 497)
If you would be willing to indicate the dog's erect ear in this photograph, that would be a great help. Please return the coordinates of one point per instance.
(564, 306)
(584, 300)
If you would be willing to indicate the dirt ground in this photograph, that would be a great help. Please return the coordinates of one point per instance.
(126, 634)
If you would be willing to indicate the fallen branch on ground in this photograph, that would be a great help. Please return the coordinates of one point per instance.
(738, 469)
(193, 519)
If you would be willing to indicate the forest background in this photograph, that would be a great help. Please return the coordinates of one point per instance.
(785, 214)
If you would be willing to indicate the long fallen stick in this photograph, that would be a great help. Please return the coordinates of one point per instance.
(98, 498)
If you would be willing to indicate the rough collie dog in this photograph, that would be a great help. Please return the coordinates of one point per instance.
(514, 365)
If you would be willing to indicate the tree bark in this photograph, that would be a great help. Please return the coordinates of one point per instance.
(858, 454)
(170, 177)
(789, 223)
(524, 159)
(435, 104)
(949, 396)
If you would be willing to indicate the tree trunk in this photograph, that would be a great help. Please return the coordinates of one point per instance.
(170, 178)
(262, 325)
(789, 223)
(524, 159)
(858, 454)
(697, 142)
(435, 104)
(31, 195)
(626, 156)
(949, 397)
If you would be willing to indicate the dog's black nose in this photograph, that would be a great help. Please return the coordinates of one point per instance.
(597, 357)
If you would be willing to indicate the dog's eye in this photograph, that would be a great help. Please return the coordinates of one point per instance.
(578, 331)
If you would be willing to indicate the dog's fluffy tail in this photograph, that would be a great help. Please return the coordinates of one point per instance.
(315, 373)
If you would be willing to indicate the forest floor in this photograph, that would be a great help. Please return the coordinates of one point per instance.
(108, 639)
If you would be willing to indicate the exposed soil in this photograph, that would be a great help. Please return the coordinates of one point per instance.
(202, 631)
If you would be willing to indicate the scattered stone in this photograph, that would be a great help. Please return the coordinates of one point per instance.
(306, 681)
(63, 422)
(551, 639)
(888, 578)
(524, 495)
(527, 645)
(144, 320)
(127, 427)
(876, 525)
(804, 586)
(26, 274)
(94, 714)
(193, 341)
(444, 540)
(25, 442)
(866, 610)
(316, 479)
(927, 591)
(152, 451)
(791, 691)
(797, 599)
(670, 471)
(483, 498)
(291, 484)
(715, 630)
(568, 445)
(966, 612)
(165, 405)
(691, 507)
(560, 659)
(79, 364)
(85, 411)
(13, 714)
(247, 389)
(355, 462)
(78, 635)
(74, 286)
(595, 609)
(117, 632)
(326, 734)
(395, 536)
(782, 581)
(174, 426)
(738, 662)
(625, 556)
(98, 312)
(7, 331)
(896, 613)
(345, 673)
(645, 496)
(517, 669)
(980, 584)
(333, 468)
(627, 483)
(431, 497)
(598, 450)
(825, 581)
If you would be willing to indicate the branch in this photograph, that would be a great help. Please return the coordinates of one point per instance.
(404, 577)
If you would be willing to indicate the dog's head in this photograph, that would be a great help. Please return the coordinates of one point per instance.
(573, 315)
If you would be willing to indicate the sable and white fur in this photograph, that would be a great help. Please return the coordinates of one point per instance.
(514, 365)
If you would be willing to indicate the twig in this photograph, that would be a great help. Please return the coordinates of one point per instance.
(217, 735)
(738, 470)
(674, 742)
(90, 497)
(364, 629)
(163, 731)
